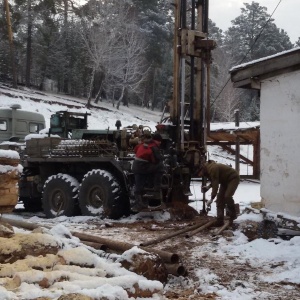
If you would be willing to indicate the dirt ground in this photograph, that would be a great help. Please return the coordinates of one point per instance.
(196, 253)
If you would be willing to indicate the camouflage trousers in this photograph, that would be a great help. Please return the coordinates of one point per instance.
(225, 199)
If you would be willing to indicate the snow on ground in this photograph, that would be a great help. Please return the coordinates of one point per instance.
(277, 260)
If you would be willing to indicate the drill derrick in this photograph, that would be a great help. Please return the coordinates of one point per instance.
(192, 52)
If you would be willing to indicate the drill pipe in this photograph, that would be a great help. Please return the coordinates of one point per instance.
(220, 230)
(122, 246)
(208, 224)
(170, 235)
(175, 269)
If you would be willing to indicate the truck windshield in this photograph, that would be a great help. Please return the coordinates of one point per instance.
(35, 127)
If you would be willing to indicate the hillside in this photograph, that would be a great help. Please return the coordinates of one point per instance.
(103, 114)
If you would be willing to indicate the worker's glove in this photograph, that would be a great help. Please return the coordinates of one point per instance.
(204, 189)
(209, 202)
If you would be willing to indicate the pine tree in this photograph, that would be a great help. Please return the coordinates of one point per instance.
(253, 35)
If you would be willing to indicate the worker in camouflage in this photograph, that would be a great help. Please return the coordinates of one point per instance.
(228, 179)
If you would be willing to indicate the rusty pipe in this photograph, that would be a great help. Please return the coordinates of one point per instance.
(176, 269)
(170, 235)
(123, 246)
(96, 246)
(208, 224)
(220, 230)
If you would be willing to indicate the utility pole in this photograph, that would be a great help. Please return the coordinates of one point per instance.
(11, 44)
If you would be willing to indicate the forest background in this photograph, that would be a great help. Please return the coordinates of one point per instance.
(122, 51)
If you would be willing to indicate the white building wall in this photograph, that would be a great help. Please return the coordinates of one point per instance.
(280, 143)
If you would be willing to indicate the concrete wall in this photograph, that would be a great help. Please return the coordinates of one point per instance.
(280, 143)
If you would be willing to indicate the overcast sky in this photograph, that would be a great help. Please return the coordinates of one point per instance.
(286, 17)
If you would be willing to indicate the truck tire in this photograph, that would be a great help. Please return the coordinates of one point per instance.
(60, 195)
(100, 194)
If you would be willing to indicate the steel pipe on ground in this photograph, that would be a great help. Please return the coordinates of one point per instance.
(208, 224)
(96, 246)
(170, 235)
(123, 246)
(175, 269)
(225, 226)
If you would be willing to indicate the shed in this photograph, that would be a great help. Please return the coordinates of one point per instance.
(230, 136)
(278, 79)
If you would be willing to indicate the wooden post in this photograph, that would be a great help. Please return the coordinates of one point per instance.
(256, 156)
(237, 154)
(237, 142)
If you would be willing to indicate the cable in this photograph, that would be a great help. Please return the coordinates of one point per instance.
(257, 37)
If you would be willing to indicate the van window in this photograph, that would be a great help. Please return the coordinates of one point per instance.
(35, 127)
(3, 125)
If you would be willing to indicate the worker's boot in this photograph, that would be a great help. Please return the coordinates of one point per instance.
(139, 203)
(220, 217)
(157, 199)
(231, 211)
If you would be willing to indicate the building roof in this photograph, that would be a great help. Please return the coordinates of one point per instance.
(249, 75)
(228, 132)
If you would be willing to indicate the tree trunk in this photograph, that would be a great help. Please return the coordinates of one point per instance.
(121, 97)
(88, 105)
(98, 96)
(11, 44)
(28, 49)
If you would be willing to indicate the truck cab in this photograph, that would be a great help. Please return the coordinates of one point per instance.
(16, 123)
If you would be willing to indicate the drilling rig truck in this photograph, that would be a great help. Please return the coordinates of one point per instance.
(82, 171)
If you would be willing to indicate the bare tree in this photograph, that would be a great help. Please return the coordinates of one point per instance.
(130, 69)
(115, 48)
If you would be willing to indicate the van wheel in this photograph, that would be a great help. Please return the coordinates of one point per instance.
(60, 195)
(100, 194)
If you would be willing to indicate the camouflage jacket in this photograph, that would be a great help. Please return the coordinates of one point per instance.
(219, 174)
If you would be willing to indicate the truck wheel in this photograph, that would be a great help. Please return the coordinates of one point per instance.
(100, 194)
(60, 195)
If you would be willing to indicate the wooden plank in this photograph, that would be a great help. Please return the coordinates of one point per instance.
(232, 151)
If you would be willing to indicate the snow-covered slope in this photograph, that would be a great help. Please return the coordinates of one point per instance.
(103, 114)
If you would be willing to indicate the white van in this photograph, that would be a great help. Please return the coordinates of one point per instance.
(16, 123)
